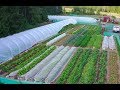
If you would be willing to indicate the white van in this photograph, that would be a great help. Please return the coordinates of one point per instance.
(116, 28)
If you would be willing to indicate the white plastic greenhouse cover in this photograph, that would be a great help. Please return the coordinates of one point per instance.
(17, 43)
(78, 19)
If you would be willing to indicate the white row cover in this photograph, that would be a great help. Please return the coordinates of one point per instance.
(14, 73)
(78, 19)
(45, 71)
(105, 43)
(17, 43)
(108, 42)
(29, 75)
(55, 71)
(111, 43)
(55, 39)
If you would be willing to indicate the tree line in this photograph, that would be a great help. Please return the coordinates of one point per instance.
(93, 10)
(14, 19)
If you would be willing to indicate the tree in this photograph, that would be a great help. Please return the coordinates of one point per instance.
(14, 19)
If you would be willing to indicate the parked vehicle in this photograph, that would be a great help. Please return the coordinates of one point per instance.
(106, 19)
(116, 28)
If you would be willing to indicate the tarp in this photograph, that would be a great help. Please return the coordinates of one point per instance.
(4, 80)
(110, 33)
(109, 26)
(107, 34)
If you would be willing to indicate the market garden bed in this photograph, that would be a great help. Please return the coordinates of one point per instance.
(50, 67)
(113, 68)
(25, 59)
(101, 68)
(87, 65)
(82, 38)
(81, 68)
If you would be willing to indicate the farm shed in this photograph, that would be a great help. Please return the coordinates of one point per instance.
(17, 43)
(80, 20)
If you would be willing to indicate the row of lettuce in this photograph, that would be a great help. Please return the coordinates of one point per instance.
(84, 36)
(117, 40)
(82, 68)
(27, 60)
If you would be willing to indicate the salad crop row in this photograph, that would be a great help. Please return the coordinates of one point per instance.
(82, 40)
(94, 29)
(74, 40)
(70, 39)
(92, 40)
(77, 70)
(118, 46)
(79, 40)
(21, 55)
(16, 62)
(88, 74)
(98, 42)
(41, 57)
(28, 60)
(95, 41)
(85, 41)
(82, 36)
(65, 74)
(20, 61)
(102, 68)
(98, 30)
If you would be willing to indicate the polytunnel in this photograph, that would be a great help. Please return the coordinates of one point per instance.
(80, 20)
(17, 43)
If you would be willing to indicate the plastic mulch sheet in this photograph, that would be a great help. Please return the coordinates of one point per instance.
(107, 33)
